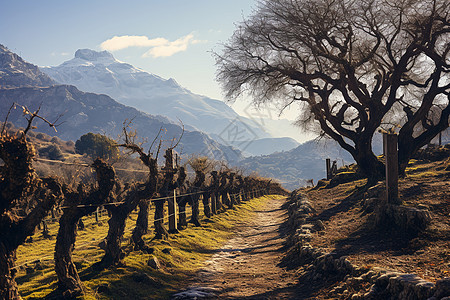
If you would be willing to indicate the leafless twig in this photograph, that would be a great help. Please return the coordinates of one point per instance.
(34, 115)
(6, 119)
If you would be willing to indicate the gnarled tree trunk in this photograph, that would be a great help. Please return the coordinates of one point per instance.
(219, 203)
(113, 253)
(182, 220)
(160, 229)
(195, 218)
(80, 204)
(25, 200)
(68, 280)
(141, 225)
(206, 204)
(368, 163)
(119, 213)
(8, 286)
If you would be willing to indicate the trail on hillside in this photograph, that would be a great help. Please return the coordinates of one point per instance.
(248, 266)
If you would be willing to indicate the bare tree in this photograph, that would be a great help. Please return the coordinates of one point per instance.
(151, 184)
(197, 187)
(215, 191)
(129, 197)
(77, 204)
(202, 165)
(169, 183)
(25, 199)
(183, 188)
(351, 65)
(224, 187)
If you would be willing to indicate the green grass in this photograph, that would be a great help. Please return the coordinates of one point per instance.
(189, 250)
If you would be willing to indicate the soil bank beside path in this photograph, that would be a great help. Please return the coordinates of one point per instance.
(248, 266)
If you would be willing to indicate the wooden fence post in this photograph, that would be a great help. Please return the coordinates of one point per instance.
(391, 158)
(328, 163)
(173, 213)
(333, 169)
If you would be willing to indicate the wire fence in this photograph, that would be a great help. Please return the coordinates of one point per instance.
(103, 214)
(90, 166)
(85, 165)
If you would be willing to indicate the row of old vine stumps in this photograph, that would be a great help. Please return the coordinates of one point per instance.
(355, 282)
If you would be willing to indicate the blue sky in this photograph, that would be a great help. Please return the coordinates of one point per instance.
(48, 32)
(169, 38)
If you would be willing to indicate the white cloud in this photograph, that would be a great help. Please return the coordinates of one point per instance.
(126, 41)
(159, 47)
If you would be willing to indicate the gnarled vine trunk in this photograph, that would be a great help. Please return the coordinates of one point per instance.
(141, 225)
(195, 217)
(68, 279)
(25, 200)
(80, 203)
(182, 220)
(206, 204)
(8, 285)
(160, 229)
(119, 213)
(113, 252)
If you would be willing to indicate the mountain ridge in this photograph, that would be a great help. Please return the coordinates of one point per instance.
(84, 112)
(15, 72)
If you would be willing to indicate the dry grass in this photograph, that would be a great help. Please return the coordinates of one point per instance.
(189, 249)
(348, 232)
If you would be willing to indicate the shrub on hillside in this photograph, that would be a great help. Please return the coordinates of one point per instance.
(55, 140)
(52, 152)
(97, 145)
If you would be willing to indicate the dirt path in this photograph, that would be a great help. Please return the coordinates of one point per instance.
(248, 266)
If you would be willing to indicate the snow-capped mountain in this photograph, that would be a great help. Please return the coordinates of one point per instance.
(80, 112)
(100, 72)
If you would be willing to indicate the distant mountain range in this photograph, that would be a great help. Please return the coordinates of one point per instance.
(307, 161)
(81, 112)
(294, 167)
(100, 72)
